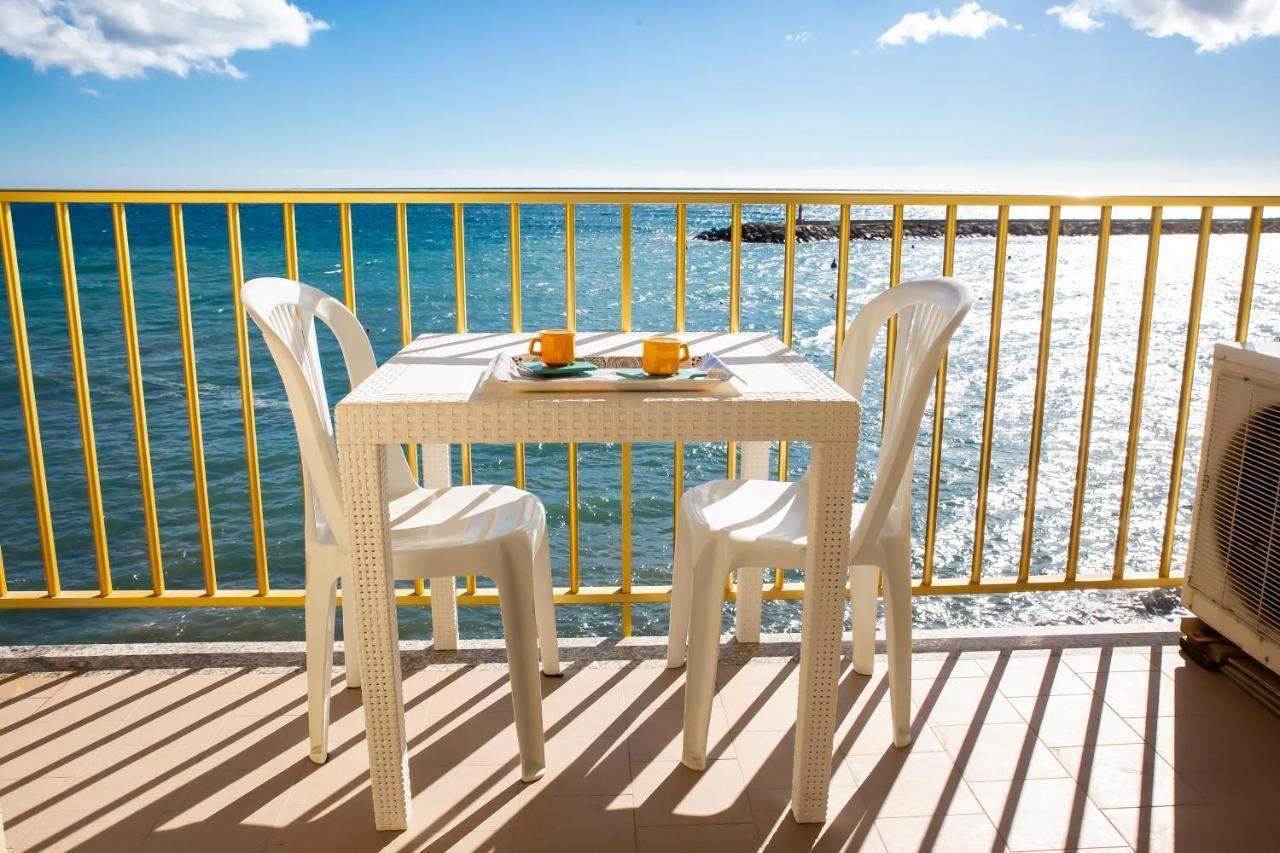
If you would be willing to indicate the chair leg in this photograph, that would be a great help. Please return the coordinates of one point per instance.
(681, 595)
(444, 614)
(746, 613)
(519, 626)
(320, 604)
(897, 618)
(544, 609)
(863, 595)
(704, 652)
(350, 637)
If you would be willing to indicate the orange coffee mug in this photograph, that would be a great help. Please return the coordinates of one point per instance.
(662, 355)
(554, 346)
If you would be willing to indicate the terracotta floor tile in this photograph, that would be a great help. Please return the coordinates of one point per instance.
(42, 685)
(961, 701)
(956, 833)
(660, 736)
(1176, 829)
(586, 767)
(910, 784)
(1243, 743)
(932, 667)
(1038, 675)
(730, 838)
(84, 831)
(1074, 720)
(561, 824)
(999, 751)
(53, 751)
(1045, 814)
(868, 730)
(667, 793)
(1086, 662)
(849, 825)
(647, 688)
(1127, 776)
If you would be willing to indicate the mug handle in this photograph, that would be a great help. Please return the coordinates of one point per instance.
(684, 353)
(535, 346)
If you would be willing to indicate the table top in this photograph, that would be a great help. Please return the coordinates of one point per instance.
(433, 391)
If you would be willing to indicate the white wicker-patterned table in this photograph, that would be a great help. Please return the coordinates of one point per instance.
(431, 393)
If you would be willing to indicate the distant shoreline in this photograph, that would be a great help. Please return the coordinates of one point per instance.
(882, 229)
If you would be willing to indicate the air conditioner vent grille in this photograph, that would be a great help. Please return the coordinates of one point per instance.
(1237, 559)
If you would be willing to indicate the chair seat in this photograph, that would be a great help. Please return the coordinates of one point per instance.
(763, 514)
(427, 520)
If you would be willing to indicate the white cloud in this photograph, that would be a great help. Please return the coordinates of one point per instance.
(798, 38)
(1211, 24)
(93, 93)
(969, 21)
(126, 38)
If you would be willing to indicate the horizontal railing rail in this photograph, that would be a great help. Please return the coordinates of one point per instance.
(625, 593)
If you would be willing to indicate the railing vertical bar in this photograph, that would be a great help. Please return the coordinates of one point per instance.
(677, 476)
(1250, 270)
(571, 322)
(989, 400)
(788, 314)
(460, 325)
(735, 310)
(895, 277)
(4, 581)
(1090, 392)
(570, 267)
(84, 407)
(290, 224)
(182, 283)
(1184, 394)
(842, 283)
(27, 392)
(1042, 382)
(517, 312)
(406, 309)
(348, 258)
(625, 262)
(133, 361)
(625, 487)
(1135, 397)
(246, 400)
(939, 418)
(682, 224)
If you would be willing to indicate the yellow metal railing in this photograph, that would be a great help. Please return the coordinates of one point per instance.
(53, 595)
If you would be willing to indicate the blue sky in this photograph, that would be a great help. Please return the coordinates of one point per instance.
(1089, 97)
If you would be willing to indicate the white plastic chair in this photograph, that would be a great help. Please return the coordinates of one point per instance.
(729, 524)
(496, 531)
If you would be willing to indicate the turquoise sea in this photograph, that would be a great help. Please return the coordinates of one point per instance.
(543, 291)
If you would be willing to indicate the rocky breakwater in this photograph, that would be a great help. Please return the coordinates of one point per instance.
(882, 229)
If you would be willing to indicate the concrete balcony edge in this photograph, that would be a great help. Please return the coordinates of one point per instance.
(648, 650)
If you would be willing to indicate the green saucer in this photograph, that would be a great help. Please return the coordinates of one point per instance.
(683, 373)
(576, 369)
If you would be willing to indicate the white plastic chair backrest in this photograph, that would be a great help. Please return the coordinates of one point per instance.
(928, 311)
(285, 311)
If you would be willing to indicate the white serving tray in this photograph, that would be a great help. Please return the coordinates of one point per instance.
(606, 377)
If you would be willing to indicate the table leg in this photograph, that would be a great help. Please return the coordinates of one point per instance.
(830, 488)
(364, 489)
(746, 614)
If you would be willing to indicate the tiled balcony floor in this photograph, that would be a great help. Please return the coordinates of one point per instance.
(1048, 749)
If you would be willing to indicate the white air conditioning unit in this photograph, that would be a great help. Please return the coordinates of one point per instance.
(1233, 570)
